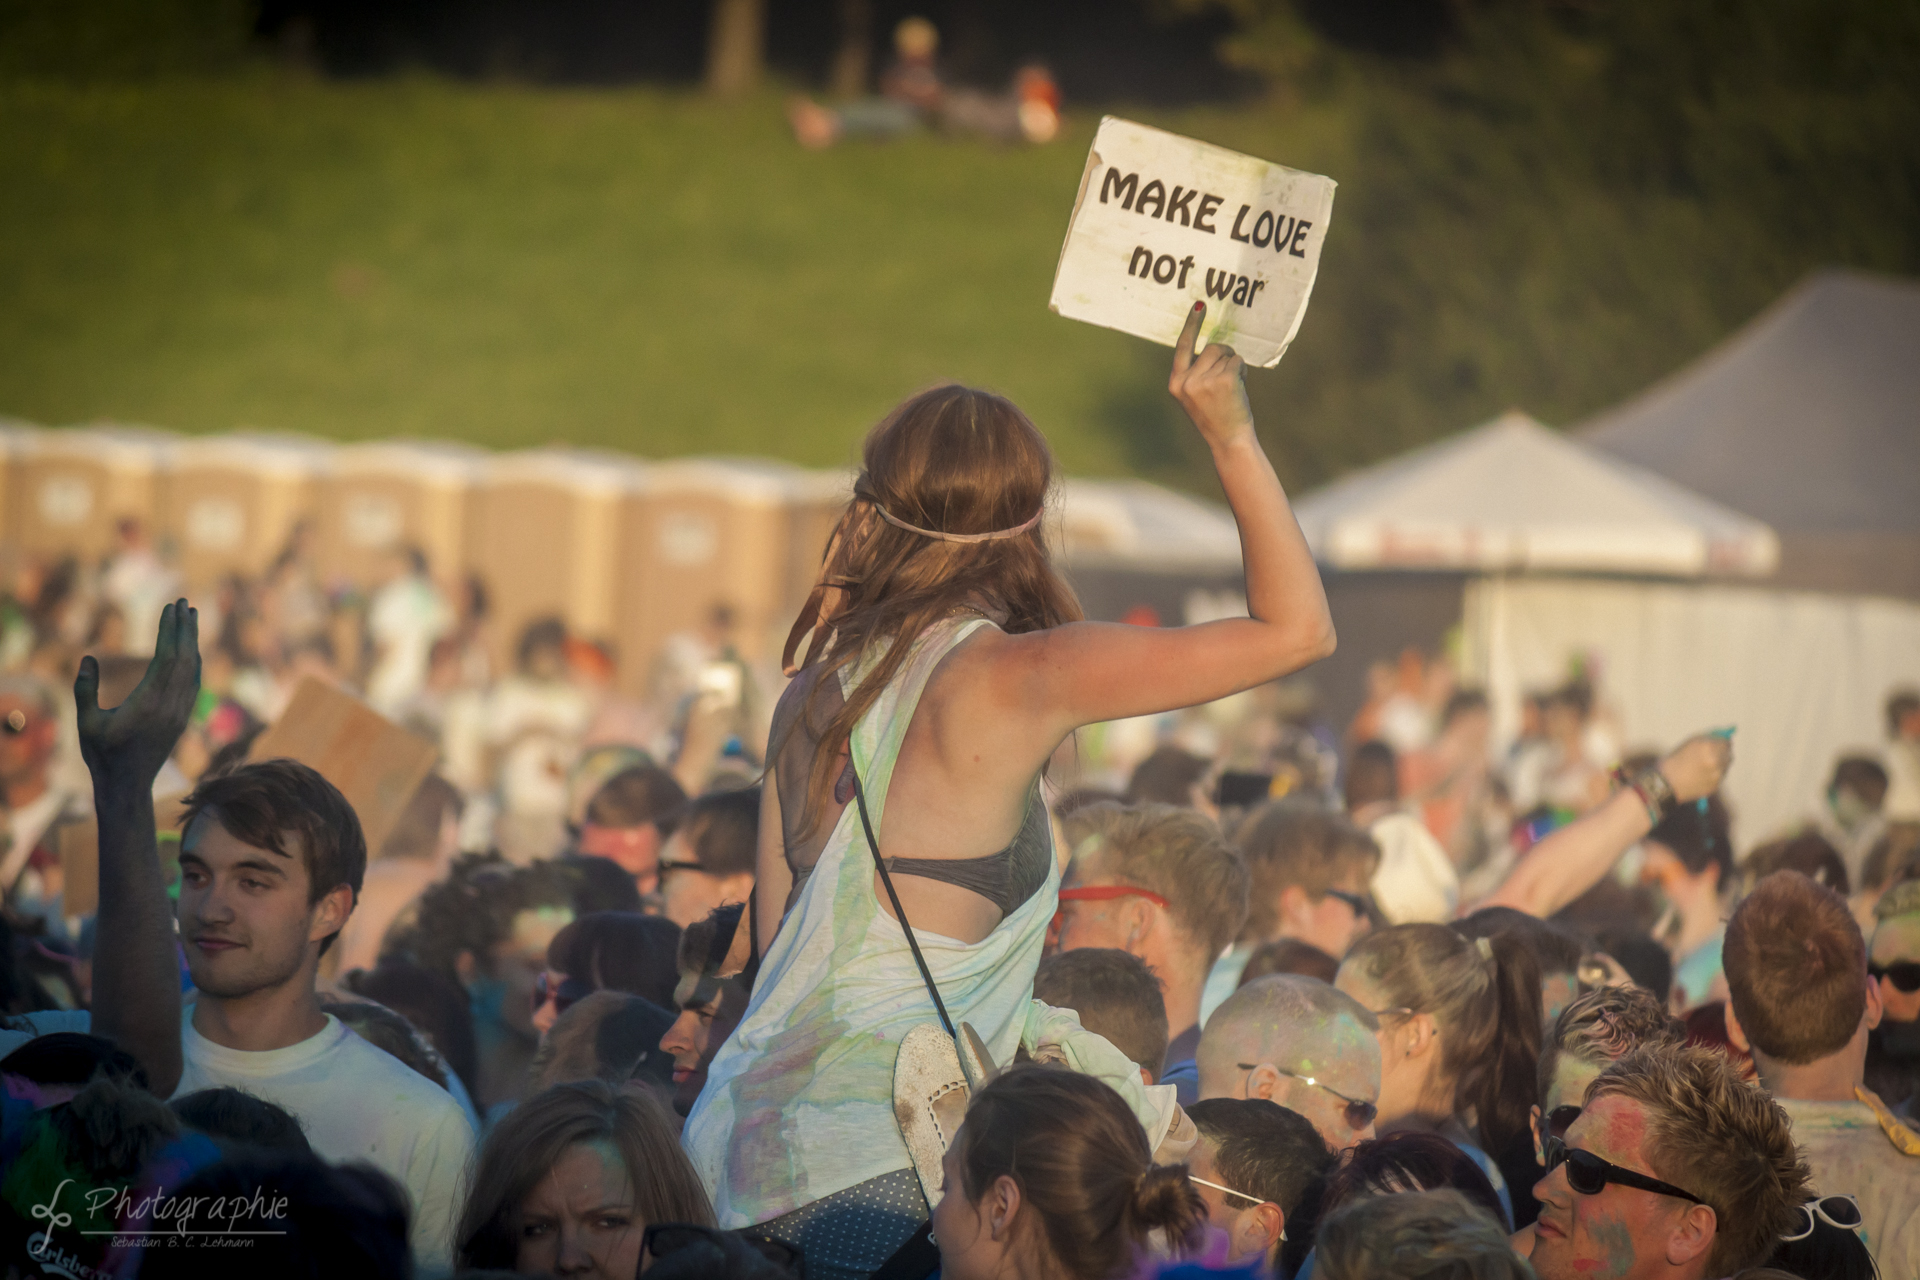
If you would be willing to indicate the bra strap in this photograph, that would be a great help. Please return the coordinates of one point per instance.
(893, 896)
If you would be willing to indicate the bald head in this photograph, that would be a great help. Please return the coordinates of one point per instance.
(1302, 1044)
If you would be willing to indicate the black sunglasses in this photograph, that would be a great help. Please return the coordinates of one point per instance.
(1904, 974)
(663, 1239)
(1559, 1120)
(1588, 1174)
(1359, 1114)
(564, 993)
(1355, 902)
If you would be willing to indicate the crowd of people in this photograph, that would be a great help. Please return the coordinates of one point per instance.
(914, 988)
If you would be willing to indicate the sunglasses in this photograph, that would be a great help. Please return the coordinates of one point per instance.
(1229, 1191)
(1904, 974)
(1588, 1174)
(1356, 903)
(564, 994)
(1359, 1114)
(664, 1239)
(1559, 1120)
(667, 865)
(1842, 1212)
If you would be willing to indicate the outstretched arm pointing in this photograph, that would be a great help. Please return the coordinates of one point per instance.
(136, 982)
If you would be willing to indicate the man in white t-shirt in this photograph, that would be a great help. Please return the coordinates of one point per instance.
(270, 862)
(1801, 1000)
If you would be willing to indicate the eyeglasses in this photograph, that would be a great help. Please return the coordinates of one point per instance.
(1588, 1174)
(1842, 1212)
(1359, 1114)
(1357, 903)
(663, 1239)
(679, 866)
(1103, 893)
(1904, 974)
(564, 993)
(1229, 1191)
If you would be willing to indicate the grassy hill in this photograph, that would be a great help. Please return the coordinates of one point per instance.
(1559, 207)
(634, 269)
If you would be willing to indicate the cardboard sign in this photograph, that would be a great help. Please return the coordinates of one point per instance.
(1162, 222)
(376, 764)
(78, 845)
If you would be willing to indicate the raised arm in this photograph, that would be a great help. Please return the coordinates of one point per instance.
(1100, 671)
(1566, 864)
(136, 974)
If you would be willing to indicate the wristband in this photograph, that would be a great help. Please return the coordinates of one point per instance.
(1656, 794)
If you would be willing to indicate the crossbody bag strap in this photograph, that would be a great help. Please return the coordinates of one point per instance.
(899, 912)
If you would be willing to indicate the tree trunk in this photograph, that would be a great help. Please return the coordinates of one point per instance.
(852, 62)
(735, 46)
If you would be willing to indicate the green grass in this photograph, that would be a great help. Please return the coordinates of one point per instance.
(1564, 206)
(637, 269)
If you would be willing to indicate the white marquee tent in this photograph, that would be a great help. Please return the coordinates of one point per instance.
(1674, 599)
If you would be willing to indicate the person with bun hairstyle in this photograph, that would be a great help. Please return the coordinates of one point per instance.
(1051, 1176)
(905, 846)
(1460, 1027)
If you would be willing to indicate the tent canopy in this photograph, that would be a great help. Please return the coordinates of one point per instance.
(1809, 419)
(1513, 495)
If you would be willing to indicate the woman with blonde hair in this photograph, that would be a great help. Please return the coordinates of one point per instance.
(947, 664)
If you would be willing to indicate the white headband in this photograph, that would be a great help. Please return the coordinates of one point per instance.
(938, 536)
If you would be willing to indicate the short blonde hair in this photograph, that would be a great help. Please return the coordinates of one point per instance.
(1174, 852)
(1719, 1137)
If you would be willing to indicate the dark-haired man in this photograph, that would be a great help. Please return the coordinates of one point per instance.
(708, 861)
(1117, 997)
(1802, 1000)
(1253, 1165)
(1675, 1170)
(270, 861)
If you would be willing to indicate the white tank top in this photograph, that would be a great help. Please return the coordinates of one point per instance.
(799, 1101)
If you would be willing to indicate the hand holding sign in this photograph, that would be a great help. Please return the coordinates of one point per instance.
(1210, 385)
(1162, 222)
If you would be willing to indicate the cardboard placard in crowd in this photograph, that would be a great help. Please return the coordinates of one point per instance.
(1162, 222)
(376, 764)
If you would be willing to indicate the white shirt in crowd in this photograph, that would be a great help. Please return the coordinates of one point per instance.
(1850, 1155)
(356, 1102)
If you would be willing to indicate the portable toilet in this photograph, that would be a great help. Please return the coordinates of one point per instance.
(233, 501)
(381, 496)
(545, 540)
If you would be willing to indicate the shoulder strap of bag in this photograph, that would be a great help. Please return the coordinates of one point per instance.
(899, 912)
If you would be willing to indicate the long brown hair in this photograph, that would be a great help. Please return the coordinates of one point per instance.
(954, 460)
(1484, 995)
(1082, 1163)
(533, 1137)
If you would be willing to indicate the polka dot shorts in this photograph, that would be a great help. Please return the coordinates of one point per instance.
(848, 1235)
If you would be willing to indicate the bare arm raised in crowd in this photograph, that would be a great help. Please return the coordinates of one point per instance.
(1091, 671)
(136, 977)
(1566, 864)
